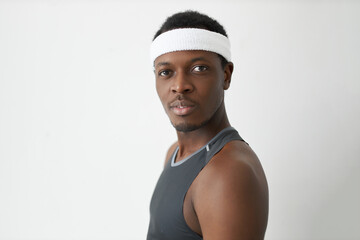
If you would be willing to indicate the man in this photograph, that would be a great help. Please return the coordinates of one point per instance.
(212, 185)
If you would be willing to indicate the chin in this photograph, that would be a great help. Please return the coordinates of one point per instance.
(183, 127)
(188, 127)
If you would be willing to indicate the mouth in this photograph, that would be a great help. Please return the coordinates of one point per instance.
(182, 107)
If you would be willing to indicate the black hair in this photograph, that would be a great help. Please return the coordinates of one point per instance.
(192, 19)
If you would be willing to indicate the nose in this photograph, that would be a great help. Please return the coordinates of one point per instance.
(181, 84)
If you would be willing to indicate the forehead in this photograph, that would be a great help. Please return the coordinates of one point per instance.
(187, 56)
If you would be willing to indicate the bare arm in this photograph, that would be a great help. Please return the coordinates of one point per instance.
(234, 203)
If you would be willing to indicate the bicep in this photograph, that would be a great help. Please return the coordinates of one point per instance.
(233, 206)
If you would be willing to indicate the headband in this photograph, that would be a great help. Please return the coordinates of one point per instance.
(182, 39)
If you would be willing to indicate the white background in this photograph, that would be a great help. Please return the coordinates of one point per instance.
(83, 135)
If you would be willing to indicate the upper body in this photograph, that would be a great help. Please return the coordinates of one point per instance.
(229, 197)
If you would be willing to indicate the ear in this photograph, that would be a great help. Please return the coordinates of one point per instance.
(228, 70)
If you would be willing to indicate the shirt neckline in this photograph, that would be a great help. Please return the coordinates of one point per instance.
(175, 164)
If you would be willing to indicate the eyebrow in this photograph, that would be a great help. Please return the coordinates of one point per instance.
(198, 59)
(192, 61)
(162, 64)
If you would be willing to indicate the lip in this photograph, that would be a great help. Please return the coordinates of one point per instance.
(182, 107)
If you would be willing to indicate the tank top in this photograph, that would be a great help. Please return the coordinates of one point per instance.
(167, 220)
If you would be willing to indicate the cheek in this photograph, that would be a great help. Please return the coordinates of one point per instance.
(161, 92)
(213, 92)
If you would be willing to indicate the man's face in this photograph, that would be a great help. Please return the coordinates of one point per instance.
(191, 87)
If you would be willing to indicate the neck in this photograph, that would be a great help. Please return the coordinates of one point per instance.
(190, 142)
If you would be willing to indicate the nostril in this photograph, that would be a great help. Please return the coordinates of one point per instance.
(181, 85)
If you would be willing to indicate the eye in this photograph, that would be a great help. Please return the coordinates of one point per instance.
(200, 68)
(164, 73)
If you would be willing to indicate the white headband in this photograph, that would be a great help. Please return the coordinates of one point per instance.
(182, 39)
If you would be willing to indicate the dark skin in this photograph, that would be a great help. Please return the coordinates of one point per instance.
(229, 198)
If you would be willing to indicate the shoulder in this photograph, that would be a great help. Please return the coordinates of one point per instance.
(236, 165)
(231, 195)
(170, 151)
(235, 160)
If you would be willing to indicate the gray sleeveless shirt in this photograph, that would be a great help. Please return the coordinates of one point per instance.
(167, 221)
